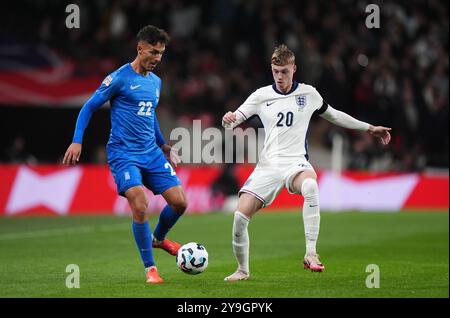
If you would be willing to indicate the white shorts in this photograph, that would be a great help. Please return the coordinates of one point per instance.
(266, 181)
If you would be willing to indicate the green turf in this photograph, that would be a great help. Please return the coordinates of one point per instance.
(411, 250)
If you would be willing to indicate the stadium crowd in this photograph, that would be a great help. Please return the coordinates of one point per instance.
(395, 75)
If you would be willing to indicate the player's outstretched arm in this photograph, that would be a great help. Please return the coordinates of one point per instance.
(73, 152)
(245, 111)
(344, 120)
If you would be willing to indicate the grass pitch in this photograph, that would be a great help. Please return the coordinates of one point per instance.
(410, 249)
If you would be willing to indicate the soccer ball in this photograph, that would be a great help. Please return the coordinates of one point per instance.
(192, 258)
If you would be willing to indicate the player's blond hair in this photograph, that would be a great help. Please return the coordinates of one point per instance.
(282, 55)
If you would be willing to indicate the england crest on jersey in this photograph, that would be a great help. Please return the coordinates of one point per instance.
(301, 101)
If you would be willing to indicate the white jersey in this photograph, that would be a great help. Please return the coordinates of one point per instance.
(285, 118)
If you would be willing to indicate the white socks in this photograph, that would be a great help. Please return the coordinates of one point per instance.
(311, 214)
(311, 220)
(241, 241)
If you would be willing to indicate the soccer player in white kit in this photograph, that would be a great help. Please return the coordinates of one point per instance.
(285, 109)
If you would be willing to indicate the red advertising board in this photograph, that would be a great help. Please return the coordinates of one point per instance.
(88, 189)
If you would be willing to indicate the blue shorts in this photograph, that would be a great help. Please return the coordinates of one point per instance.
(151, 170)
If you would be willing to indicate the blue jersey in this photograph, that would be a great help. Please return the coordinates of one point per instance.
(133, 97)
(134, 154)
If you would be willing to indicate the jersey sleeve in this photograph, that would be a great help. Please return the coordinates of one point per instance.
(249, 107)
(319, 104)
(110, 86)
(158, 135)
(245, 111)
(94, 103)
(344, 120)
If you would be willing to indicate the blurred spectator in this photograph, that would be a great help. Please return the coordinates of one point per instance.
(17, 152)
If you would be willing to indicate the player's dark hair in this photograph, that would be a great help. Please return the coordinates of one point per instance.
(282, 55)
(152, 35)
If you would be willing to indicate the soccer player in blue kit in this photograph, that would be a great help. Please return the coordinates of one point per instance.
(137, 153)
